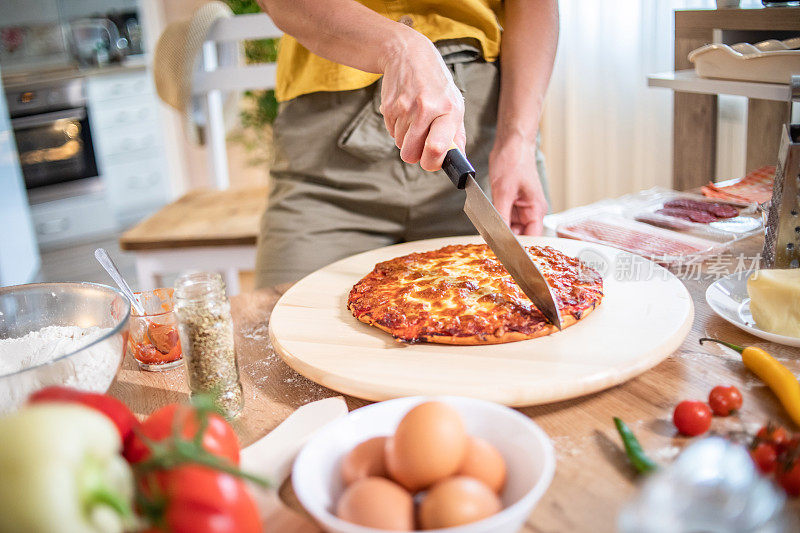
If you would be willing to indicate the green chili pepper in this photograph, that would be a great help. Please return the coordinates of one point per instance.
(633, 449)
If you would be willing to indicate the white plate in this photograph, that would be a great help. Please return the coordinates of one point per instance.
(728, 298)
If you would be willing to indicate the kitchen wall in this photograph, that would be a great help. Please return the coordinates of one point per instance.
(605, 133)
(25, 12)
(71, 9)
(31, 33)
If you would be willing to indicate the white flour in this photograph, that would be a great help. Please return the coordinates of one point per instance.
(92, 369)
(44, 345)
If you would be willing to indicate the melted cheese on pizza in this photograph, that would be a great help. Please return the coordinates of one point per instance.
(464, 291)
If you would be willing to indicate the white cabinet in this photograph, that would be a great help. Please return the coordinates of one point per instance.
(115, 116)
(19, 257)
(121, 85)
(72, 219)
(133, 143)
(128, 144)
(136, 185)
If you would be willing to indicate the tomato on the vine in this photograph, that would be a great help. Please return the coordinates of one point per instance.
(765, 456)
(789, 478)
(219, 437)
(197, 499)
(775, 435)
(692, 418)
(724, 400)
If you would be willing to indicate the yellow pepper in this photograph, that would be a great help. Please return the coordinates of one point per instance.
(777, 377)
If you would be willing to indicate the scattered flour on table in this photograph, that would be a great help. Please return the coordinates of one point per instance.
(748, 380)
(270, 373)
(259, 333)
(727, 354)
(665, 454)
(567, 446)
(92, 370)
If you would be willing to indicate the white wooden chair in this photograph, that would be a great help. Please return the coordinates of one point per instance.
(214, 79)
(211, 80)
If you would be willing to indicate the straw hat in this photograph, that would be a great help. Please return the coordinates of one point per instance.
(177, 58)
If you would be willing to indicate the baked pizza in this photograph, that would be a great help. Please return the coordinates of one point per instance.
(462, 294)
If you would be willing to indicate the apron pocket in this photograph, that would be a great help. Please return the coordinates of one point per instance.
(365, 137)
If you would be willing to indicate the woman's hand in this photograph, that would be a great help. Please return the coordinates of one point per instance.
(516, 190)
(422, 107)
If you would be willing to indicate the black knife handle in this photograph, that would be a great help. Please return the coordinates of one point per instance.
(457, 168)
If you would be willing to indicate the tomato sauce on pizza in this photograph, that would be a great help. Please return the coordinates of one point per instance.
(462, 294)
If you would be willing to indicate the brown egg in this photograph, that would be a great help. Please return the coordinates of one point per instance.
(429, 445)
(484, 463)
(457, 501)
(377, 502)
(365, 460)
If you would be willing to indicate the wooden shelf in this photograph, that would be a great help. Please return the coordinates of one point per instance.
(696, 110)
(687, 81)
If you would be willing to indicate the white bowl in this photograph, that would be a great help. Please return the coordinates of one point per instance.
(526, 448)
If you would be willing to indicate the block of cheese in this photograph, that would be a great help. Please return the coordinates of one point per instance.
(775, 300)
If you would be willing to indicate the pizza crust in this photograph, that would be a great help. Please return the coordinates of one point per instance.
(479, 340)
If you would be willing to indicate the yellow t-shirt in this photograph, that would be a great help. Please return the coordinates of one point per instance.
(301, 72)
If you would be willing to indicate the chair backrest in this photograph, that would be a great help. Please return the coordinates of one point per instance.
(215, 77)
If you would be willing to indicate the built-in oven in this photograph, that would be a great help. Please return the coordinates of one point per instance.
(53, 135)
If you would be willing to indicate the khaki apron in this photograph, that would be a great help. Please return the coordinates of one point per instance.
(339, 186)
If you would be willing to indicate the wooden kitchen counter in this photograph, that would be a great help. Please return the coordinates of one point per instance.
(593, 478)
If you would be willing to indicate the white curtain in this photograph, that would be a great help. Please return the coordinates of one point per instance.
(604, 132)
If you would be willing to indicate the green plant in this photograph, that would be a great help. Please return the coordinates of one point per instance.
(242, 7)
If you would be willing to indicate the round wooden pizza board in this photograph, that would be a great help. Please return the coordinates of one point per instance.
(645, 315)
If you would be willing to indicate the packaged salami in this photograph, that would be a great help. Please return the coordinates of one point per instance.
(663, 246)
(756, 187)
(669, 227)
(693, 214)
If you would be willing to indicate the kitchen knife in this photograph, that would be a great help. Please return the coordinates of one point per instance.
(499, 236)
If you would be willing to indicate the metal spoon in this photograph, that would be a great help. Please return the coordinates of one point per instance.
(105, 260)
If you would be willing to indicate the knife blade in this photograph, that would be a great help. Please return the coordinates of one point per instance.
(499, 236)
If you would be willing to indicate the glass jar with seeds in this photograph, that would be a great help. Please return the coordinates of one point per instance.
(206, 332)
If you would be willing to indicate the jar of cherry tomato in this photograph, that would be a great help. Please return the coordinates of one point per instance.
(206, 332)
(153, 337)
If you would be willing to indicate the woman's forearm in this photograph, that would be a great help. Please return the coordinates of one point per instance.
(421, 106)
(527, 53)
(344, 31)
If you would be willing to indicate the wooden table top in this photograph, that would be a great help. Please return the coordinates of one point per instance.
(202, 217)
(593, 478)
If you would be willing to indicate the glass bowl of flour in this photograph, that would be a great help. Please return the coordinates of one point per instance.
(70, 334)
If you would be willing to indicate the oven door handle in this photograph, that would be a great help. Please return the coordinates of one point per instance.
(43, 119)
